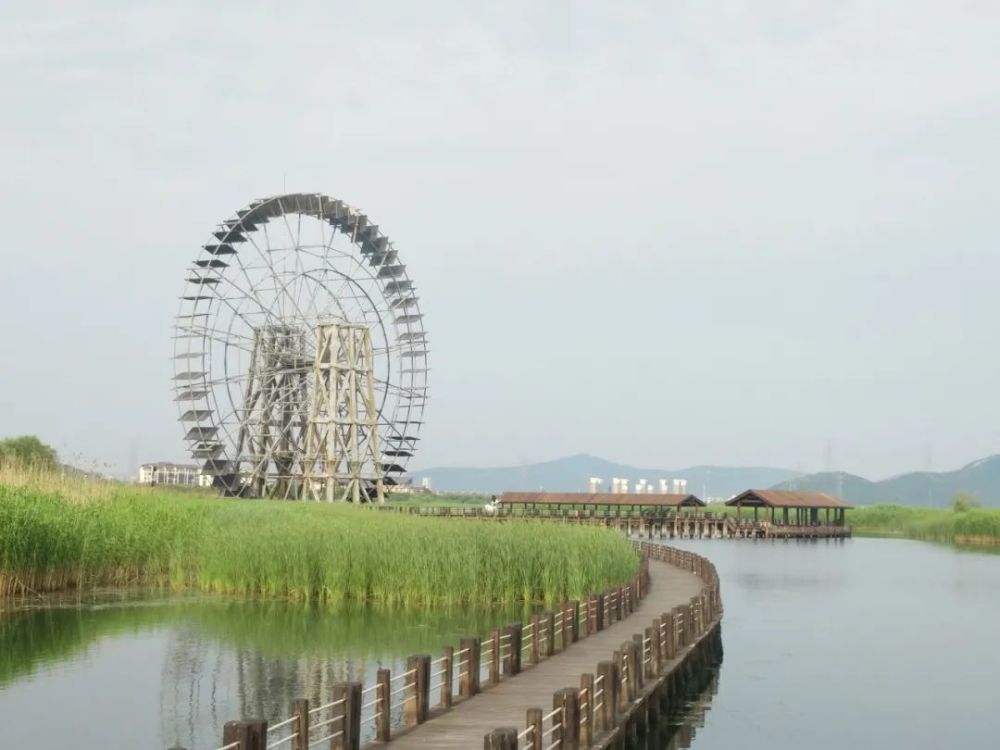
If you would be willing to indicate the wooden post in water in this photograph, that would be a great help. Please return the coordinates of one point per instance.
(448, 659)
(383, 705)
(534, 739)
(468, 675)
(300, 710)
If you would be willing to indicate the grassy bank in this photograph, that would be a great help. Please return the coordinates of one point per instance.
(976, 526)
(57, 535)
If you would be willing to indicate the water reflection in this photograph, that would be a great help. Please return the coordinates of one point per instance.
(185, 666)
(677, 727)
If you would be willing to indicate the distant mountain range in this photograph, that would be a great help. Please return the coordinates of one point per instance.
(571, 474)
(922, 488)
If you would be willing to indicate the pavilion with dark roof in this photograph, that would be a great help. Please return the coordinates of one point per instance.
(806, 505)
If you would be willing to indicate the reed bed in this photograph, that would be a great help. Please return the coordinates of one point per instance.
(977, 526)
(59, 535)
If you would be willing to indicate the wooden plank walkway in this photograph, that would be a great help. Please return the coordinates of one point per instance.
(506, 703)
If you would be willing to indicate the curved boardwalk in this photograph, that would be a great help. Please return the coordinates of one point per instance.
(506, 703)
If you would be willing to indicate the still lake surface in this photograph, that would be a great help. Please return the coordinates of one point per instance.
(154, 673)
(862, 643)
(858, 643)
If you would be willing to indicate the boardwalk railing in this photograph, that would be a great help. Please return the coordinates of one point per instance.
(607, 701)
(356, 715)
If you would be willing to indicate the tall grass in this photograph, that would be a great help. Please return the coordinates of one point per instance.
(56, 535)
(931, 524)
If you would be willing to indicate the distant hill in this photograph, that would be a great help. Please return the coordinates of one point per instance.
(570, 474)
(922, 488)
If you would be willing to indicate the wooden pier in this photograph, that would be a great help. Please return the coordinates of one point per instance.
(590, 674)
(645, 524)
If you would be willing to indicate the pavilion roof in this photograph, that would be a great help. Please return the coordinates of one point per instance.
(787, 499)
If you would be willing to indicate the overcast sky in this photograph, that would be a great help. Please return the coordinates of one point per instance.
(663, 233)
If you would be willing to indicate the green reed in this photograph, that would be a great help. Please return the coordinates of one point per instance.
(52, 540)
(931, 524)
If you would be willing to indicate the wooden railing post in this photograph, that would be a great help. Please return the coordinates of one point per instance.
(568, 699)
(300, 710)
(417, 688)
(501, 739)
(250, 733)
(534, 739)
(659, 624)
(599, 613)
(574, 616)
(383, 705)
(448, 659)
(350, 712)
(549, 625)
(533, 654)
(622, 669)
(494, 663)
(652, 666)
(609, 684)
(512, 664)
(468, 680)
(639, 656)
(565, 626)
(586, 710)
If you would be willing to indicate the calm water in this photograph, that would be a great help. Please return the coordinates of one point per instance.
(863, 643)
(151, 674)
(853, 644)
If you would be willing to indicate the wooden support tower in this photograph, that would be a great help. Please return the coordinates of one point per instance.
(342, 457)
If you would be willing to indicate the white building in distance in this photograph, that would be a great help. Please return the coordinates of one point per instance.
(164, 472)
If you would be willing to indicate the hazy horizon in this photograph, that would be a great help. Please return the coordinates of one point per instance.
(729, 234)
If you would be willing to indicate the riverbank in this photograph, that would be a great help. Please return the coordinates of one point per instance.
(976, 526)
(62, 535)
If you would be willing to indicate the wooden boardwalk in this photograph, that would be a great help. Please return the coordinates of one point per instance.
(506, 703)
